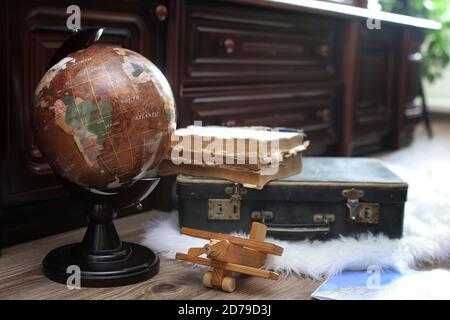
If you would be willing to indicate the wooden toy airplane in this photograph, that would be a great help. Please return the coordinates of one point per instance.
(227, 254)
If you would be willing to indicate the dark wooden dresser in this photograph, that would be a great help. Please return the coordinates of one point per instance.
(233, 63)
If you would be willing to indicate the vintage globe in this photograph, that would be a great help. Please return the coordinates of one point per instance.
(103, 117)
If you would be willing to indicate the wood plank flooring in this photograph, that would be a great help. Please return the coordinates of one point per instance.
(21, 276)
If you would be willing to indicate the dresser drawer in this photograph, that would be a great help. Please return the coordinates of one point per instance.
(233, 45)
(308, 107)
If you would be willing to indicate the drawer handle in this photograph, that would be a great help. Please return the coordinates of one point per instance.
(322, 223)
(298, 228)
(229, 123)
(324, 115)
(323, 51)
(229, 45)
(161, 12)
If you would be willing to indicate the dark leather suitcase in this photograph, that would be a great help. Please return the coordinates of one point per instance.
(329, 198)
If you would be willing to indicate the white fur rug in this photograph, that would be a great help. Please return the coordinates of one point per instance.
(426, 240)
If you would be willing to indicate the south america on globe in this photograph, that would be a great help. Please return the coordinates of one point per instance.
(103, 117)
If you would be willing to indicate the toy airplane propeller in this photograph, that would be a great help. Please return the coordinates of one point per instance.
(227, 254)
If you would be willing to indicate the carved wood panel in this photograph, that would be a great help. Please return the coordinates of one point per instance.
(376, 77)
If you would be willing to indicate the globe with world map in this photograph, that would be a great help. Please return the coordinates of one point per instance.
(103, 117)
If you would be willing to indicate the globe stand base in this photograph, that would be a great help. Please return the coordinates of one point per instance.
(139, 264)
(101, 259)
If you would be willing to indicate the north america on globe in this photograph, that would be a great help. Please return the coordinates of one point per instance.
(103, 117)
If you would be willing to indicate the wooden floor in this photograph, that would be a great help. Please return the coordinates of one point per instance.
(21, 276)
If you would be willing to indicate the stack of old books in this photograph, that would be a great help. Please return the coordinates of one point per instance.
(251, 156)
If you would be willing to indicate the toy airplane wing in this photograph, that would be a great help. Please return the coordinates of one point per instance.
(251, 271)
(257, 245)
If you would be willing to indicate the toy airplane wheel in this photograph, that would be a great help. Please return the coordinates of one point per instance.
(228, 284)
(207, 279)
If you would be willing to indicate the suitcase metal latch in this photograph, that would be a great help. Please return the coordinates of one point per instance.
(262, 215)
(227, 209)
(361, 212)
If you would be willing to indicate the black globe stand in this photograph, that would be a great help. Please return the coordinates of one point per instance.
(102, 258)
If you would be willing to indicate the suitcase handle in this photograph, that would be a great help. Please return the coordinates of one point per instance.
(298, 228)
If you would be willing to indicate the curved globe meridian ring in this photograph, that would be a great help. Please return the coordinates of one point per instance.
(103, 117)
